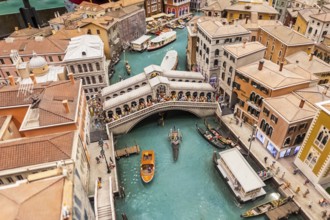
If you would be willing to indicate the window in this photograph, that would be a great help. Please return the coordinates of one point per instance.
(266, 111)
(72, 69)
(216, 62)
(225, 53)
(217, 52)
(217, 41)
(10, 180)
(90, 67)
(287, 142)
(228, 81)
(79, 68)
(280, 53)
(89, 31)
(59, 58)
(310, 30)
(1, 182)
(2, 61)
(260, 17)
(100, 79)
(50, 58)
(8, 73)
(85, 67)
(302, 126)
(322, 137)
(93, 80)
(97, 66)
(273, 118)
(292, 129)
(19, 177)
(98, 31)
(88, 80)
(223, 76)
(312, 157)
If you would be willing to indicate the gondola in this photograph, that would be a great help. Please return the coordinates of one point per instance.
(264, 207)
(175, 137)
(128, 68)
(210, 138)
(222, 139)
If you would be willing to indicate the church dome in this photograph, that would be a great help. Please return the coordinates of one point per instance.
(37, 62)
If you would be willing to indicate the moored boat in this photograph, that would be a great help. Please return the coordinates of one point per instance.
(170, 60)
(210, 138)
(141, 43)
(128, 68)
(265, 174)
(265, 207)
(162, 40)
(175, 137)
(222, 139)
(147, 170)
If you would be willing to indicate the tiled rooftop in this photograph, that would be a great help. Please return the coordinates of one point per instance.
(286, 35)
(260, 8)
(36, 200)
(35, 150)
(315, 94)
(307, 12)
(324, 17)
(239, 51)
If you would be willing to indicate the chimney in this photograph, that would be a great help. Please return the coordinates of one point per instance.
(246, 19)
(71, 78)
(33, 78)
(11, 80)
(66, 106)
(281, 66)
(261, 64)
(302, 102)
(311, 57)
(325, 89)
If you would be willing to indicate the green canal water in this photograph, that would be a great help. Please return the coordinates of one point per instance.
(190, 188)
(12, 6)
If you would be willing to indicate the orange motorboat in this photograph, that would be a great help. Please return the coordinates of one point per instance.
(147, 171)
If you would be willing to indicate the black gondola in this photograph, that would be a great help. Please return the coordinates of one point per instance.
(222, 139)
(210, 138)
(175, 137)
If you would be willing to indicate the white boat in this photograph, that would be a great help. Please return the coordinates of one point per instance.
(141, 43)
(162, 40)
(170, 60)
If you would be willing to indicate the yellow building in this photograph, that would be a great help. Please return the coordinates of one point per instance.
(303, 19)
(260, 11)
(313, 158)
(106, 28)
(281, 41)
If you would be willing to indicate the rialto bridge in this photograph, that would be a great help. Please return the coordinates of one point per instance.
(128, 102)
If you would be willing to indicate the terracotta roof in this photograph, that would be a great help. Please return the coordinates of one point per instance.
(214, 27)
(122, 12)
(216, 6)
(131, 2)
(104, 22)
(256, 24)
(315, 94)
(36, 150)
(323, 47)
(36, 200)
(27, 46)
(324, 17)
(286, 35)
(260, 8)
(71, 16)
(270, 70)
(250, 47)
(315, 66)
(28, 33)
(307, 12)
(2, 120)
(88, 6)
(67, 34)
(292, 112)
(294, 11)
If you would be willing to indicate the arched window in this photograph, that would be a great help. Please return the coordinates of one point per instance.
(85, 67)
(262, 124)
(207, 60)
(90, 66)
(72, 69)
(320, 136)
(224, 64)
(266, 127)
(88, 80)
(79, 68)
(325, 140)
(216, 62)
(93, 80)
(100, 79)
(256, 99)
(270, 131)
(217, 52)
(287, 142)
(252, 96)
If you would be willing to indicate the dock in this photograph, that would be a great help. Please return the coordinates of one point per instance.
(283, 211)
(127, 151)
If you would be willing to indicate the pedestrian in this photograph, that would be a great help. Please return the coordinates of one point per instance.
(241, 124)
(310, 204)
(265, 159)
(297, 190)
(111, 159)
(287, 185)
(282, 177)
(305, 193)
(306, 182)
(99, 183)
(277, 170)
(273, 164)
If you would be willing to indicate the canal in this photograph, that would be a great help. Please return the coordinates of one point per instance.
(190, 188)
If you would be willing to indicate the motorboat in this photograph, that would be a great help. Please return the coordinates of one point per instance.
(170, 60)
(147, 170)
(162, 40)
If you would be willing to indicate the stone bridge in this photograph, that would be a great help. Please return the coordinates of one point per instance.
(200, 109)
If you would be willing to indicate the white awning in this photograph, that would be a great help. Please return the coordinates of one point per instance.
(141, 39)
(241, 169)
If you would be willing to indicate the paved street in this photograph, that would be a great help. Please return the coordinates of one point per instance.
(286, 166)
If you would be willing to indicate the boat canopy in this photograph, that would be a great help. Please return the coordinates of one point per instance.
(241, 170)
(141, 39)
(191, 86)
(163, 37)
(169, 15)
(149, 19)
(158, 15)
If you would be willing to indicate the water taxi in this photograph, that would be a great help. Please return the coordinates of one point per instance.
(175, 137)
(147, 171)
(141, 43)
(170, 60)
(162, 40)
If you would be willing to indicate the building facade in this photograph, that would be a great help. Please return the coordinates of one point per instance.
(191, 43)
(153, 7)
(86, 61)
(281, 41)
(303, 18)
(235, 56)
(313, 158)
(212, 35)
(177, 7)
(318, 27)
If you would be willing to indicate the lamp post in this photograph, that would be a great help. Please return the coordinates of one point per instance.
(102, 153)
(251, 138)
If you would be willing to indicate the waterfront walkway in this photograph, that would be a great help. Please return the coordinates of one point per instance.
(259, 152)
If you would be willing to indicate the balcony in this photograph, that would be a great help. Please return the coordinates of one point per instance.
(253, 105)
